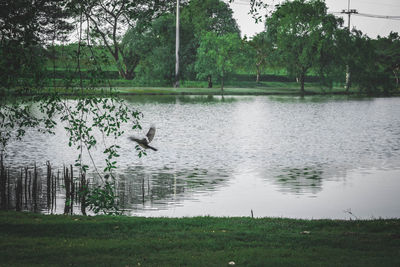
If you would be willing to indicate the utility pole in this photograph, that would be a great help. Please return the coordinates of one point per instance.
(348, 12)
(176, 85)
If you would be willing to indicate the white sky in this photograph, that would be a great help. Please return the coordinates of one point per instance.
(370, 26)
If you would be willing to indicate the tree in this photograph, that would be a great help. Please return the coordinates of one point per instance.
(301, 32)
(388, 52)
(29, 25)
(209, 16)
(259, 50)
(153, 46)
(369, 69)
(217, 55)
(25, 26)
(109, 19)
(154, 43)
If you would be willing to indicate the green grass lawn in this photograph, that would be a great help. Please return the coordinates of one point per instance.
(32, 240)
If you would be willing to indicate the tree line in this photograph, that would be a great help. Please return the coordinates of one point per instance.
(137, 39)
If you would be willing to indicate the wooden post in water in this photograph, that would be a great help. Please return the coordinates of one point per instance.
(67, 184)
(143, 190)
(26, 188)
(72, 190)
(83, 192)
(48, 188)
(53, 193)
(30, 186)
(35, 188)
(3, 182)
(8, 188)
(18, 192)
(56, 182)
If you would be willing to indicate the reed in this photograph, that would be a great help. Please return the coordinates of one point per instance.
(54, 191)
(143, 193)
(3, 184)
(26, 188)
(35, 189)
(67, 185)
(30, 185)
(83, 190)
(72, 186)
(49, 185)
(18, 192)
(8, 188)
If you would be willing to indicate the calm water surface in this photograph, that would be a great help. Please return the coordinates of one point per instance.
(317, 157)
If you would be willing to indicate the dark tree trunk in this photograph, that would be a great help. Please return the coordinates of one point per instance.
(397, 78)
(209, 79)
(258, 74)
(127, 74)
(302, 78)
(222, 83)
(3, 184)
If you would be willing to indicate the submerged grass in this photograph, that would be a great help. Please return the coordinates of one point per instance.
(33, 239)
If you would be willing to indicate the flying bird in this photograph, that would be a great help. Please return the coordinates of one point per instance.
(144, 142)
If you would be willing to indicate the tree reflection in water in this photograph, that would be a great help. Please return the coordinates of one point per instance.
(139, 189)
(300, 180)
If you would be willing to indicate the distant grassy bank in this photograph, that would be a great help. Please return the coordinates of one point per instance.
(237, 87)
(32, 239)
(241, 88)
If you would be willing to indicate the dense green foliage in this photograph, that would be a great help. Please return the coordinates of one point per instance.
(25, 25)
(217, 55)
(107, 19)
(154, 45)
(258, 53)
(301, 39)
(29, 31)
(304, 34)
(30, 239)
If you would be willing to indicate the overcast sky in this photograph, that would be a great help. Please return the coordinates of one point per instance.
(370, 26)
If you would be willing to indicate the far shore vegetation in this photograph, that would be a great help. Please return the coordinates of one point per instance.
(73, 44)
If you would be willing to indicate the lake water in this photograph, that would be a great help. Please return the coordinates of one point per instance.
(312, 157)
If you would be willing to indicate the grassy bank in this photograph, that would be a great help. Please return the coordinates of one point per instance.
(32, 239)
(271, 88)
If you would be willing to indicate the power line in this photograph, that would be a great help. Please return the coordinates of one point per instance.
(349, 11)
(379, 4)
(378, 16)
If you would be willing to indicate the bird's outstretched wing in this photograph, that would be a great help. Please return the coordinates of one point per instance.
(150, 134)
(134, 139)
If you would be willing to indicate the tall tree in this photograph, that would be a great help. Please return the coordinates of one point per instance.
(25, 26)
(366, 60)
(209, 16)
(153, 46)
(109, 19)
(217, 55)
(388, 52)
(299, 29)
(260, 50)
(154, 43)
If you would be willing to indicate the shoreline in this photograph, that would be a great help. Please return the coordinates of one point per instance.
(213, 92)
